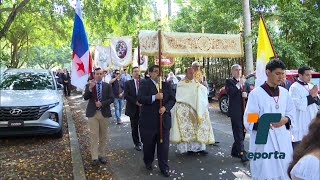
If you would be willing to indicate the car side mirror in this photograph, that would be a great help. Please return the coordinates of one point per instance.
(59, 86)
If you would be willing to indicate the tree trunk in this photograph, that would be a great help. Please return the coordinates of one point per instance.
(14, 55)
(169, 9)
(12, 16)
(247, 36)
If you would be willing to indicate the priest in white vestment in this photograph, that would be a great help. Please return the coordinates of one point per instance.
(191, 126)
(271, 98)
(304, 96)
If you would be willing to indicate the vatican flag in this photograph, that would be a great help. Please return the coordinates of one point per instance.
(264, 53)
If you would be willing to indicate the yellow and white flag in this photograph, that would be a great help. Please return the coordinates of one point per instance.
(264, 53)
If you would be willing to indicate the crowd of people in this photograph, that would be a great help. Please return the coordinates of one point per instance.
(177, 112)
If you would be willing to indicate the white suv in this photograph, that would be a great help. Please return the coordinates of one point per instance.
(30, 103)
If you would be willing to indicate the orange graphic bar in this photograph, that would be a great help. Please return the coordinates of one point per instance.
(253, 117)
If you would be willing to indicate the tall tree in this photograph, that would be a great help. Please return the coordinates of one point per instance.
(247, 36)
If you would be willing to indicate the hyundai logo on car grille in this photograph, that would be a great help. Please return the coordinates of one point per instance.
(15, 112)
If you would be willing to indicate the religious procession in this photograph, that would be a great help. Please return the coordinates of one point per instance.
(162, 114)
(165, 104)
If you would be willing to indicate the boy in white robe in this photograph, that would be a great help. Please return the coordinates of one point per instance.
(271, 98)
(304, 96)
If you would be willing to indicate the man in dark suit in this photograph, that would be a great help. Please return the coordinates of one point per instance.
(133, 106)
(237, 90)
(66, 81)
(98, 111)
(150, 97)
(285, 82)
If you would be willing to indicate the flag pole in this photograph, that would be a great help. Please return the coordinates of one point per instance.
(243, 74)
(160, 76)
(264, 24)
(138, 28)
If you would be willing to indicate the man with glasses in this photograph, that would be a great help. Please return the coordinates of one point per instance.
(150, 96)
(98, 111)
(118, 92)
(131, 89)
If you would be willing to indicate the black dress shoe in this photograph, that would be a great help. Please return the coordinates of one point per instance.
(95, 162)
(236, 155)
(138, 148)
(103, 160)
(165, 173)
(244, 158)
(149, 167)
(203, 152)
(190, 152)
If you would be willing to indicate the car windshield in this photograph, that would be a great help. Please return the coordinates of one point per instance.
(26, 81)
(315, 81)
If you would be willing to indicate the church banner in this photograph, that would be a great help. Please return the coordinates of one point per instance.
(175, 44)
(121, 51)
(201, 44)
(148, 41)
(143, 60)
(102, 57)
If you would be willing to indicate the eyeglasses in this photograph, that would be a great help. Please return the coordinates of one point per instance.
(117, 73)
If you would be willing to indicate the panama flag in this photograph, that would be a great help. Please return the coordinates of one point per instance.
(81, 59)
(264, 53)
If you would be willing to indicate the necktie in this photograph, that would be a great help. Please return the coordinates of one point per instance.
(99, 96)
(137, 85)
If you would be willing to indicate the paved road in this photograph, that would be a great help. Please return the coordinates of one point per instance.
(218, 164)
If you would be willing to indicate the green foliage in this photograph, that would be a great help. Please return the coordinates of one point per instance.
(300, 26)
(293, 27)
(47, 57)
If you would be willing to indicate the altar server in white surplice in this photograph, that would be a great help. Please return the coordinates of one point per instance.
(271, 98)
(304, 96)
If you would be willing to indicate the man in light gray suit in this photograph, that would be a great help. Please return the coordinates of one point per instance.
(98, 111)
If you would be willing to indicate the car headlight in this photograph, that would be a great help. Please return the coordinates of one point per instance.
(53, 105)
(53, 116)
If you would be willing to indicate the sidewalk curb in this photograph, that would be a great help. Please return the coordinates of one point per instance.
(77, 164)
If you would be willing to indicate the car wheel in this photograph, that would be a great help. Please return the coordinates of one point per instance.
(224, 104)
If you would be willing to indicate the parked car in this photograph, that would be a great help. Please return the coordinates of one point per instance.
(291, 75)
(212, 90)
(180, 76)
(30, 103)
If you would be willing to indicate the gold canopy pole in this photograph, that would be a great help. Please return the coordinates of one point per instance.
(160, 75)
